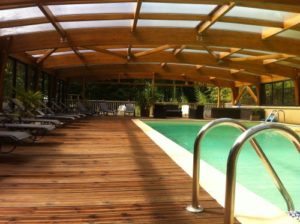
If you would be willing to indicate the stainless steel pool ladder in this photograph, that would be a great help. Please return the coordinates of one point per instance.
(231, 163)
(275, 114)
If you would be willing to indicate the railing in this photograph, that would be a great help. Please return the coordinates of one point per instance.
(273, 115)
(195, 207)
(232, 161)
(94, 105)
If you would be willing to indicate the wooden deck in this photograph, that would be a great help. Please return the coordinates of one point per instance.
(99, 170)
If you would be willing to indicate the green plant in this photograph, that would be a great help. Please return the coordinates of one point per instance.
(30, 98)
(146, 98)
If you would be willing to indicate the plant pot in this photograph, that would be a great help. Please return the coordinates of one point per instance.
(144, 112)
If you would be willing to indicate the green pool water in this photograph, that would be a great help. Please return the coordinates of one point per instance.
(250, 171)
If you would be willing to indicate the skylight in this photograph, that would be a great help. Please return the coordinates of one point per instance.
(21, 13)
(200, 9)
(126, 7)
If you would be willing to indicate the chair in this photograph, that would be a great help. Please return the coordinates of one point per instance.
(130, 109)
(51, 115)
(105, 110)
(12, 138)
(37, 130)
(9, 113)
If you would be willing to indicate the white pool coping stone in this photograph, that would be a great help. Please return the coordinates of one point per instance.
(249, 207)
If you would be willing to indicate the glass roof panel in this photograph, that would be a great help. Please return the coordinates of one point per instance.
(71, 52)
(127, 7)
(26, 29)
(262, 14)
(96, 24)
(167, 23)
(148, 7)
(195, 51)
(21, 13)
(290, 34)
(236, 27)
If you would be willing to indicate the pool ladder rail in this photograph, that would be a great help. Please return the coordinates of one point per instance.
(248, 134)
(274, 116)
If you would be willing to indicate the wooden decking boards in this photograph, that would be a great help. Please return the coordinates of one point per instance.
(99, 170)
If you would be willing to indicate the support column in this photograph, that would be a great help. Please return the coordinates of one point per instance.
(36, 78)
(151, 112)
(258, 94)
(52, 87)
(234, 95)
(297, 91)
(174, 91)
(4, 52)
(83, 85)
(219, 97)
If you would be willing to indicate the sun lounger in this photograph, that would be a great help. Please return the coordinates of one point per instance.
(10, 139)
(37, 130)
(16, 118)
(105, 110)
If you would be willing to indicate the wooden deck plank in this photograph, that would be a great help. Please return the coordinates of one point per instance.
(97, 171)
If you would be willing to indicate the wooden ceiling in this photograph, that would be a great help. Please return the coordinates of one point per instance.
(221, 49)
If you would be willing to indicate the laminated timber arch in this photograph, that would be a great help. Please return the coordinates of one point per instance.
(226, 46)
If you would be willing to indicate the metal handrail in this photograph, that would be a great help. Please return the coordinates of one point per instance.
(282, 111)
(233, 157)
(276, 112)
(195, 207)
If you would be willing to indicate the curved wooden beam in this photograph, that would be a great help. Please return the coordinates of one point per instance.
(283, 5)
(169, 70)
(69, 60)
(144, 36)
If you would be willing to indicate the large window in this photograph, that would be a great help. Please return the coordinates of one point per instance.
(20, 77)
(8, 79)
(278, 93)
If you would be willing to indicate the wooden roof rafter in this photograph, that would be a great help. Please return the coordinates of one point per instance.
(105, 51)
(287, 24)
(263, 57)
(176, 51)
(136, 15)
(154, 50)
(225, 55)
(217, 13)
(64, 36)
(45, 56)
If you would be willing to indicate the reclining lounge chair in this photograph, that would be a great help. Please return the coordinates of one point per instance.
(10, 139)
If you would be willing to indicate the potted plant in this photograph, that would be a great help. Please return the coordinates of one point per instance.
(30, 99)
(145, 100)
(257, 114)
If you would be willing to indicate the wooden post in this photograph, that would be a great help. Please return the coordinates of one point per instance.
(241, 92)
(83, 89)
(234, 95)
(14, 94)
(26, 78)
(297, 91)
(174, 91)
(36, 79)
(258, 94)
(151, 112)
(219, 97)
(4, 52)
(52, 87)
